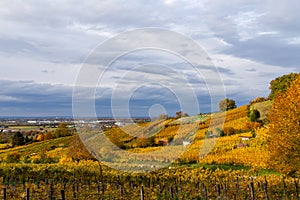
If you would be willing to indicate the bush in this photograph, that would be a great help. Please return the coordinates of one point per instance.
(220, 132)
(229, 131)
(18, 139)
(254, 115)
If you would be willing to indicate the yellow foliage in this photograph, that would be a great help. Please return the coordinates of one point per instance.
(285, 130)
(65, 160)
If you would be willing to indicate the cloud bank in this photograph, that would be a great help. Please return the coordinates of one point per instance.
(43, 45)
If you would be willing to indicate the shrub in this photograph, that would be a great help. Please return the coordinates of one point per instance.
(254, 115)
(220, 132)
(229, 131)
(18, 139)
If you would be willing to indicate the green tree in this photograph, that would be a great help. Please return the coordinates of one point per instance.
(254, 115)
(220, 132)
(18, 139)
(62, 130)
(284, 130)
(281, 83)
(227, 104)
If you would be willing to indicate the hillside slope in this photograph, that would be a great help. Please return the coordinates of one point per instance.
(53, 149)
(263, 108)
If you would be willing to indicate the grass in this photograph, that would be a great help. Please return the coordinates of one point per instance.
(232, 167)
(214, 167)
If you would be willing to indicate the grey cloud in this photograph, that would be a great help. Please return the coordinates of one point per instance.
(251, 70)
(64, 33)
(29, 98)
(15, 45)
(268, 50)
(45, 71)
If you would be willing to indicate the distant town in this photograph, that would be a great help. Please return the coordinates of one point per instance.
(53, 122)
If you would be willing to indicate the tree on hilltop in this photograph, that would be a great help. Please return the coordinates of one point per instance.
(227, 104)
(280, 84)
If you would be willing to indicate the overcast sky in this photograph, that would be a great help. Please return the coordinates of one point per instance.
(43, 45)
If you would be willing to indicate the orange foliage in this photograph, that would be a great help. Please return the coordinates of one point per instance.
(285, 130)
(40, 137)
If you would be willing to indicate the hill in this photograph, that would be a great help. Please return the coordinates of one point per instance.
(196, 135)
(49, 151)
(221, 157)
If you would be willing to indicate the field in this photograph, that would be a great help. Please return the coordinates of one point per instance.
(30, 128)
(218, 156)
(86, 180)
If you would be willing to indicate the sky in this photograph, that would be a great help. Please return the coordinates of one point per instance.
(45, 45)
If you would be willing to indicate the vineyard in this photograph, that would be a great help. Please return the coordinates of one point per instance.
(89, 180)
(219, 156)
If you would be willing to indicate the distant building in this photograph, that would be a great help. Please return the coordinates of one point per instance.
(245, 137)
(213, 136)
(120, 124)
(186, 143)
(163, 142)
